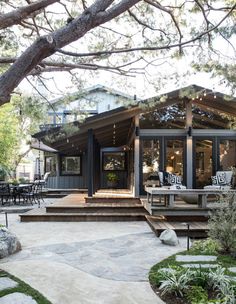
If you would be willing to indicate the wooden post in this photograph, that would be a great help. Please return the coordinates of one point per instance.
(90, 163)
(136, 158)
(189, 145)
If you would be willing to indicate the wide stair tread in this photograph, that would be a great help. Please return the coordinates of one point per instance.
(42, 215)
(196, 228)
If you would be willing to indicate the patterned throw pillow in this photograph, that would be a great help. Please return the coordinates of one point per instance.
(214, 180)
(221, 178)
(174, 179)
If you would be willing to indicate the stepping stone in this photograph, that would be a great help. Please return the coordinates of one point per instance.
(196, 258)
(17, 298)
(6, 283)
(232, 269)
(197, 266)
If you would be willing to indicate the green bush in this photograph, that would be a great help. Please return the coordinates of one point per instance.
(197, 295)
(222, 227)
(208, 246)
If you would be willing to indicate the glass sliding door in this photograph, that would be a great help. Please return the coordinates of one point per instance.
(227, 154)
(174, 156)
(203, 162)
(150, 158)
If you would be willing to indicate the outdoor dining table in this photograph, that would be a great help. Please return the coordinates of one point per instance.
(18, 189)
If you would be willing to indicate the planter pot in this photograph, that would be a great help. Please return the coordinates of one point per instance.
(189, 198)
(112, 184)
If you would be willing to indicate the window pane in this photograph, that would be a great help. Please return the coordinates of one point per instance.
(203, 162)
(227, 154)
(70, 165)
(113, 161)
(50, 164)
(175, 156)
(151, 158)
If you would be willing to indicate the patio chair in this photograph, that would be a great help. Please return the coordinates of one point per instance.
(5, 193)
(222, 180)
(43, 181)
(31, 194)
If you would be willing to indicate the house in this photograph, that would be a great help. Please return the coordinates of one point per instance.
(71, 108)
(187, 132)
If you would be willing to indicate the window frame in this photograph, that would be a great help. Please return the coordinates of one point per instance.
(71, 156)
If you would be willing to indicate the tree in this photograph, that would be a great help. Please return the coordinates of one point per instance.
(137, 33)
(18, 120)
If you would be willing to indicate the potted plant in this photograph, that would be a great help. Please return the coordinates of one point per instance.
(112, 180)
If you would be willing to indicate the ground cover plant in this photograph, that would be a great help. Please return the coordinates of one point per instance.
(22, 288)
(178, 285)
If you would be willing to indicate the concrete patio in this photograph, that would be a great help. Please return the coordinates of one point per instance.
(92, 262)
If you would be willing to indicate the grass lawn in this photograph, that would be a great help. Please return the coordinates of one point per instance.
(23, 288)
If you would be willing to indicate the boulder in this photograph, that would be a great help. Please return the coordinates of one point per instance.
(9, 243)
(169, 237)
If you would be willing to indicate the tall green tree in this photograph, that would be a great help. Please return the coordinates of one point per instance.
(18, 120)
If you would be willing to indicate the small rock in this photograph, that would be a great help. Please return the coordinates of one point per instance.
(169, 237)
(6, 283)
(17, 298)
(196, 258)
(9, 243)
(200, 265)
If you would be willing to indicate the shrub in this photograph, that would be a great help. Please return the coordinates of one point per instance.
(176, 282)
(208, 246)
(222, 227)
(197, 295)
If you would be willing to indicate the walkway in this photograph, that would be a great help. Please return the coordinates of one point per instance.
(85, 263)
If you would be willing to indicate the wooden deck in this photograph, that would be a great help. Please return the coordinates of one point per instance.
(74, 208)
(196, 229)
(77, 207)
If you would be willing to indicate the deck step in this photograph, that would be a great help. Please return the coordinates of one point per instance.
(40, 215)
(92, 208)
(196, 229)
(115, 200)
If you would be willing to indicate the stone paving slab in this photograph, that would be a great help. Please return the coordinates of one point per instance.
(199, 265)
(17, 298)
(232, 269)
(196, 258)
(6, 283)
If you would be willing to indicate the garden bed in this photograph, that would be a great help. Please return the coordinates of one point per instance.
(201, 288)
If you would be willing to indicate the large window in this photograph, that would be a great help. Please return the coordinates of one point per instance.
(227, 154)
(203, 162)
(50, 164)
(71, 165)
(113, 161)
(175, 156)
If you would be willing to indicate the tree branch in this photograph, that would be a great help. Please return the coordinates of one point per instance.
(16, 16)
(45, 46)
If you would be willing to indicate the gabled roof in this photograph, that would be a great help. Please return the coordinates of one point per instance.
(95, 88)
(200, 96)
(103, 123)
